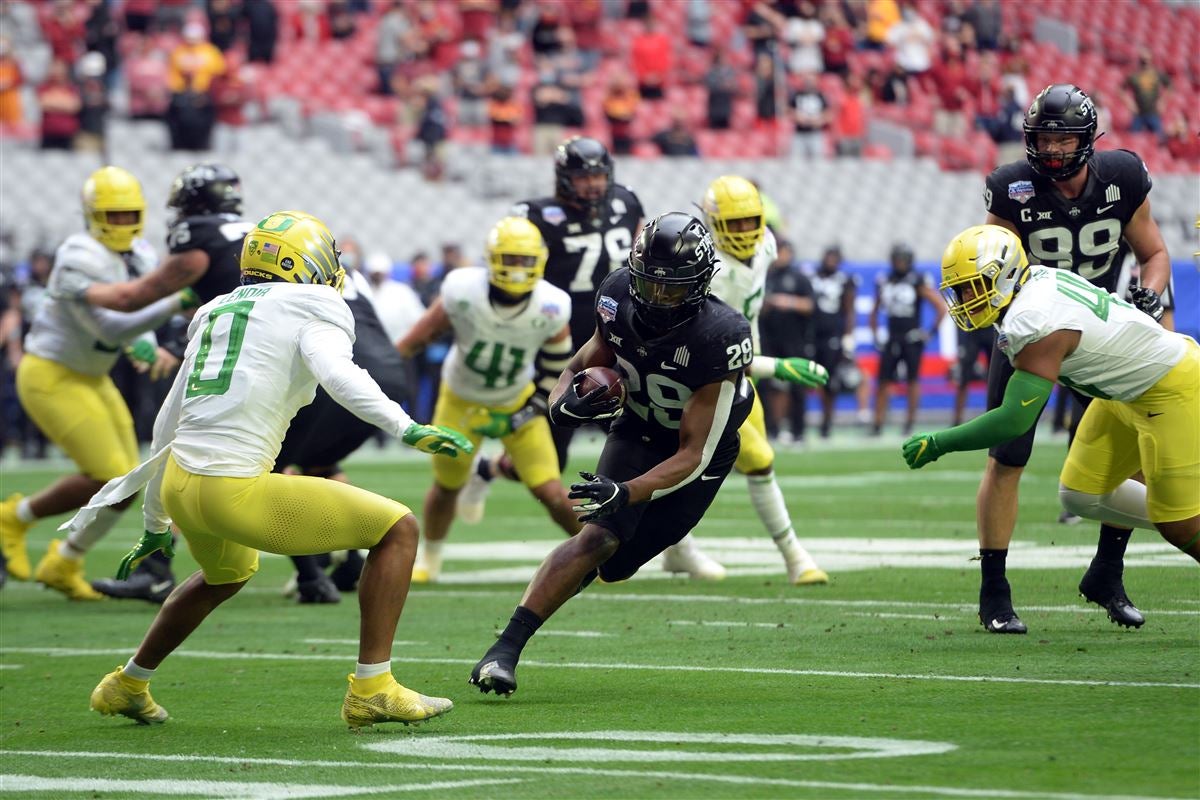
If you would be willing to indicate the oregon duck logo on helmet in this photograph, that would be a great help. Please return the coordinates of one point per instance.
(114, 208)
(516, 255)
(733, 209)
(293, 247)
(982, 269)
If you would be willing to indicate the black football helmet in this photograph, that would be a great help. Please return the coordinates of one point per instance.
(901, 257)
(206, 189)
(576, 156)
(1060, 108)
(671, 265)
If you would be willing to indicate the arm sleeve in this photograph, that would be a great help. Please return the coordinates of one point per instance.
(762, 367)
(1024, 399)
(155, 517)
(327, 351)
(120, 326)
(551, 360)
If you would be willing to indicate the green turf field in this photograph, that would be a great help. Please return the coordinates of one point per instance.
(880, 685)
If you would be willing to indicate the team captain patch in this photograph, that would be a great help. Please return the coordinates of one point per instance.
(607, 308)
(1020, 191)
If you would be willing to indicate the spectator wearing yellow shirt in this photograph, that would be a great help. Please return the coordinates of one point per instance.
(193, 66)
(881, 16)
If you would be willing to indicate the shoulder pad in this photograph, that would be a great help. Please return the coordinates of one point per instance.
(85, 256)
(328, 306)
(459, 283)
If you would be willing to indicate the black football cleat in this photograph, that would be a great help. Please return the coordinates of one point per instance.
(1109, 594)
(152, 581)
(495, 673)
(318, 591)
(996, 613)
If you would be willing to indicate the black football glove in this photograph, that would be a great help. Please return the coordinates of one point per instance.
(1147, 301)
(571, 410)
(601, 496)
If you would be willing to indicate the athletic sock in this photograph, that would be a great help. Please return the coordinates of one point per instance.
(25, 512)
(363, 671)
(1110, 549)
(132, 670)
(523, 624)
(991, 569)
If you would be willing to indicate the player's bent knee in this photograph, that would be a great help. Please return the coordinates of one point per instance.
(1081, 504)
(404, 533)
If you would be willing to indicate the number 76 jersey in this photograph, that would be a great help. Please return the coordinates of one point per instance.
(662, 373)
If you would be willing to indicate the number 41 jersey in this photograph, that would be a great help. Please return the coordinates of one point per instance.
(662, 373)
(1082, 235)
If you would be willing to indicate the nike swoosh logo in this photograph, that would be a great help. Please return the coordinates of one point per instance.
(710, 477)
(1030, 400)
(1155, 413)
(921, 452)
(1102, 209)
(665, 365)
(160, 586)
(997, 625)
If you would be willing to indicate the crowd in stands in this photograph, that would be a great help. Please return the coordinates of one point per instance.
(651, 77)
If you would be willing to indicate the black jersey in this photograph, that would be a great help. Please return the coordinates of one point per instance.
(220, 237)
(786, 333)
(584, 250)
(829, 291)
(900, 299)
(1082, 235)
(660, 374)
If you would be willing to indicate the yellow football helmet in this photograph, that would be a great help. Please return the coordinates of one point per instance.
(294, 247)
(114, 208)
(982, 269)
(733, 209)
(516, 255)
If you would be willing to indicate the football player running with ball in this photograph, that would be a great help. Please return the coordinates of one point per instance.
(254, 357)
(1081, 211)
(733, 209)
(1144, 381)
(511, 341)
(683, 356)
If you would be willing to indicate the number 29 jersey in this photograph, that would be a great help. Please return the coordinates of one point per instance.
(661, 374)
(1082, 235)
(492, 359)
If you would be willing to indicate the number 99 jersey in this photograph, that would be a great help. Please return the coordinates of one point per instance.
(661, 374)
(1082, 235)
(584, 250)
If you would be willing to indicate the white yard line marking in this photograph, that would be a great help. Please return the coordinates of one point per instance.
(713, 623)
(602, 594)
(743, 780)
(242, 790)
(578, 634)
(885, 615)
(69, 652)
(354, 642)
(12, 666)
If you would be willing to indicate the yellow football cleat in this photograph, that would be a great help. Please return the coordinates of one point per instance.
(12, 539)
(120, 694)
(64, 574)
(808, 577)
(381, 699)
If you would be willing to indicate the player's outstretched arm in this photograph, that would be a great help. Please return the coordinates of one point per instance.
(176, 274)
(792, 369)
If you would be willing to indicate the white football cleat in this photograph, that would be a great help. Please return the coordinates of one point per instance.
(684, 556)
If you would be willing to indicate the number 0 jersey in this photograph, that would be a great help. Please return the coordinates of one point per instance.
(492, 359)
(742, 286)
(1082, 235)
(254, 357)
(1122, 352)
(662, 373)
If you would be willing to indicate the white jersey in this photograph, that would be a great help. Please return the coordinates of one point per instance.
(742, 285)
(492, 359)
(86, 338)
(1122, 352)
(254, 358)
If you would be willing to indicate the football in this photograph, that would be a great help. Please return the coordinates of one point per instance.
(592, 377)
